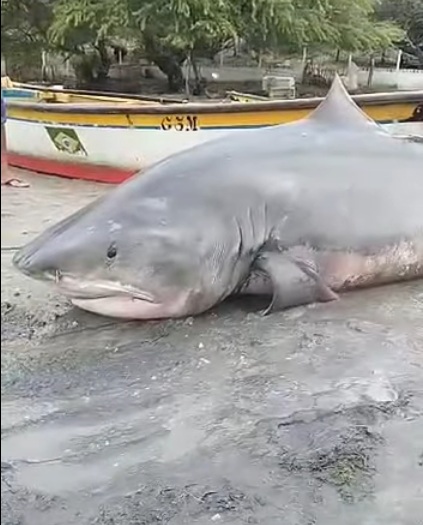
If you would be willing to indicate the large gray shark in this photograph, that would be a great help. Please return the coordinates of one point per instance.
(300, 212)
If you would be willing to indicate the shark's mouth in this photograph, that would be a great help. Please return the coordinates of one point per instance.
(114, 299)
(83, 289)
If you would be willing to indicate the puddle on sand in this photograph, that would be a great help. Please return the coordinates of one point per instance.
(66, 475)
(67, 455)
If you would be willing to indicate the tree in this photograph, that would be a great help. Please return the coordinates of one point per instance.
(357, 28)
(348, 25)
(408, 14)
(174, 31)
(85, 29)
(24, 27)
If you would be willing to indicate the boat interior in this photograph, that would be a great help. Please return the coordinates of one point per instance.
(58, 95)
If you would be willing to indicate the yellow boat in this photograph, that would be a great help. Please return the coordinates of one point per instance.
(108, 137)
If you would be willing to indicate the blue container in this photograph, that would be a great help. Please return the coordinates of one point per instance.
(17, 93)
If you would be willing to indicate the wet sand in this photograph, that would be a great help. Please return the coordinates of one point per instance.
(313, 416)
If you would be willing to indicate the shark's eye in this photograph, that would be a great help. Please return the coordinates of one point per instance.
(112, 251)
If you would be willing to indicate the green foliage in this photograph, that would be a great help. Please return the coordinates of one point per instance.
(342, 24)
(172, 30)
(358, 30)
(408, 14)
(80, 22)
(187, 25)
(24, 26)
(26, 21)
(84, 29)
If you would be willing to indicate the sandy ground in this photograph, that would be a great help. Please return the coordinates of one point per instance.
(309, 417)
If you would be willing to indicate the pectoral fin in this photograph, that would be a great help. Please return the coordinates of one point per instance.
(295, 282)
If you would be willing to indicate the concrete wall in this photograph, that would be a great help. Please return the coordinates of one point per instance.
(405, 79)
(243, 74)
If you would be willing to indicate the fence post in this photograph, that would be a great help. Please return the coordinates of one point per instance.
(398, 66)
(371, 70)
(303, 64)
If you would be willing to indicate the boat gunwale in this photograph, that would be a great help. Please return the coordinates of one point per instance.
(94, 93)
(372, 99)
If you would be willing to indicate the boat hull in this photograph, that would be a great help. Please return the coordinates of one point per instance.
(109, 143)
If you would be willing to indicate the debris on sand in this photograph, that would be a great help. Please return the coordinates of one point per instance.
(15, 183)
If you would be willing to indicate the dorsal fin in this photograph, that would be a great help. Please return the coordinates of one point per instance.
(339, 109)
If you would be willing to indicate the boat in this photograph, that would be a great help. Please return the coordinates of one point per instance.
(107, 138)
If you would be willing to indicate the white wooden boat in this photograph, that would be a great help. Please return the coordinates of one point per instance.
(108, 138)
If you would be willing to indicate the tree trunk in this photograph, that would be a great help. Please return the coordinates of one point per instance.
(105, 62)
(419, 53)
(199, 84)
(83, 66)
(383, 58)
(169, 63)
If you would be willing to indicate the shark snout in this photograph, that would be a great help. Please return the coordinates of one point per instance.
(35, 263)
